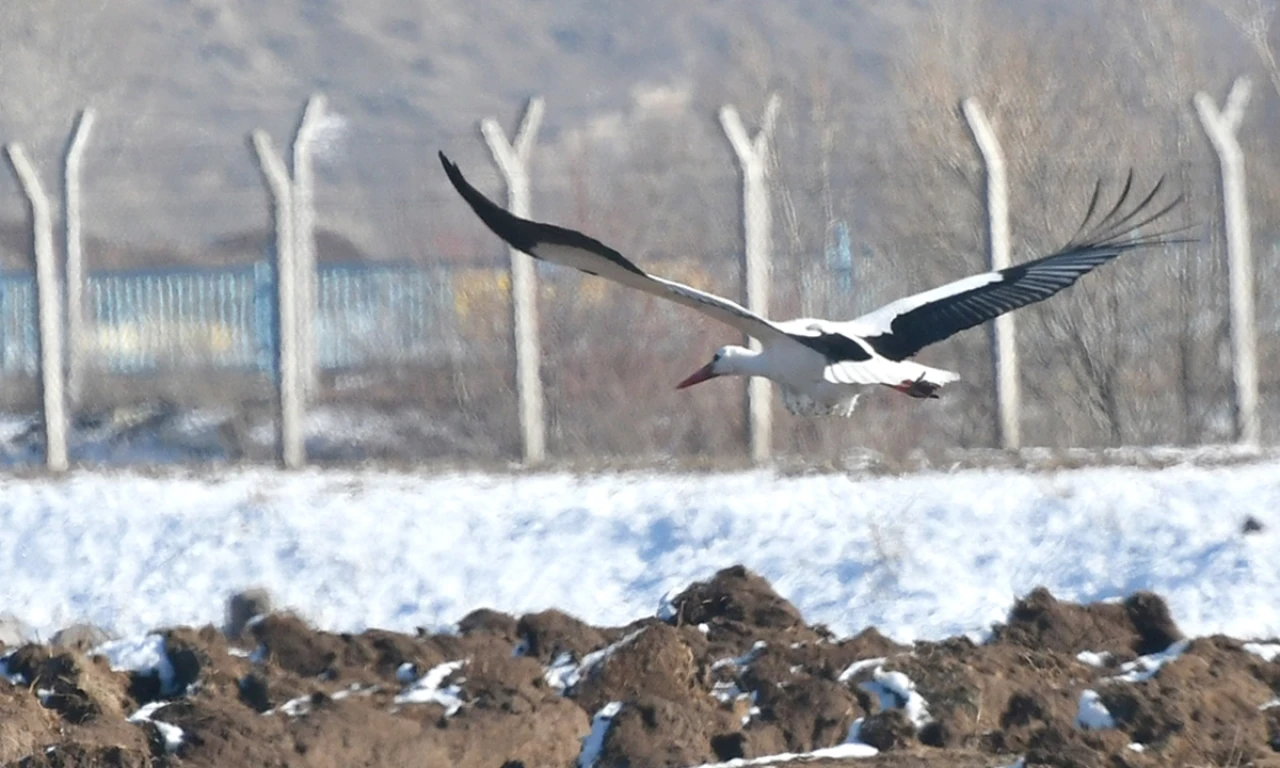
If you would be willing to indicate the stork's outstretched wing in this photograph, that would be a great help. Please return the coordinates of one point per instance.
(902, 328)
(571, 248)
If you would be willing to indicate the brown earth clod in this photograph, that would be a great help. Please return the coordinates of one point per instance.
(735, 673)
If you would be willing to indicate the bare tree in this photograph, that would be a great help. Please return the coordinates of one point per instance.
(1256, 22)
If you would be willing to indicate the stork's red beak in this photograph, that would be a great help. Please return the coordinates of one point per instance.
(697, 377)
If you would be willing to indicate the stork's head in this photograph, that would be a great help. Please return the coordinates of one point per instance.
(727, 361)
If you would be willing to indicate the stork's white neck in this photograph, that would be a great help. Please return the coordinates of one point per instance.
(741, 361)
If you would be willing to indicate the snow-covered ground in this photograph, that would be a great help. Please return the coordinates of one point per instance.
(921, 556)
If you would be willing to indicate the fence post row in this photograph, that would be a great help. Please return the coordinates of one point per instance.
(48, 297)
(292, 450)
(1005, 345)
(304, 233)
(293, 213)
(757, 226)
(1221, 127)
(512, 158)
(75, 251)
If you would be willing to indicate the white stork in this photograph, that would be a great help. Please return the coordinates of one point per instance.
(822, 366)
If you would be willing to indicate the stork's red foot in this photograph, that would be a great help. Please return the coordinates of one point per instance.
(919, 388)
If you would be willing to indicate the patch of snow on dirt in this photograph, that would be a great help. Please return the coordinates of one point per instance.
(742, 661)
(844, 751)
(897, 691)
(564, 672)
(1268, 651)
(853, 669)
(1099, 660)
(13, 678)
(293, 707)
(726, 691)
(171, 733)
(1092, 714)
(143, 655)
(427, 689)
(1146, 667)
(593, 742)
(355, 689)
(855, 736)
(667, 605)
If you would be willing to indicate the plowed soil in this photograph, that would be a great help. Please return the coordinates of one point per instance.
(732, 673)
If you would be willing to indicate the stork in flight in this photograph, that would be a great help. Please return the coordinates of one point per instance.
(822, 366)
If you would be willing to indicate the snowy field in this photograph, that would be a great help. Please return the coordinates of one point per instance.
(921, 556)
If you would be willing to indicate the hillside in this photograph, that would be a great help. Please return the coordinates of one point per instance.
(630, 88)
(178, 84)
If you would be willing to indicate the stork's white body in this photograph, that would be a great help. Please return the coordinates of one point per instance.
(811, 386)
(821, 366)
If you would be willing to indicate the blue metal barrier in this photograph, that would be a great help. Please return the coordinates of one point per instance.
(19, 347)
(140, 321)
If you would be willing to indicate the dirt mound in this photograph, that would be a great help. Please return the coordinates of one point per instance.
(373, 656)
(730, 672)
(78, 689)
(1202, 706)
(1140, 625)
(79, 637)
(549, 634)
(490, 622)
(217, 729)
(888, 730)
(654, 659)
(76, 755)
(25, 726)
(62, 709)
(735, 597)
(808, 713)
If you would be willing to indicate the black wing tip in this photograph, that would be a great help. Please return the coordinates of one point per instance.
(490, 212)
(1118, 228)
(453, 172)
(517, 232)
(450, 167)
(525, 234)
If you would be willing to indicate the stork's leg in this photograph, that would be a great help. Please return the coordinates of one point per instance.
(918, 388)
